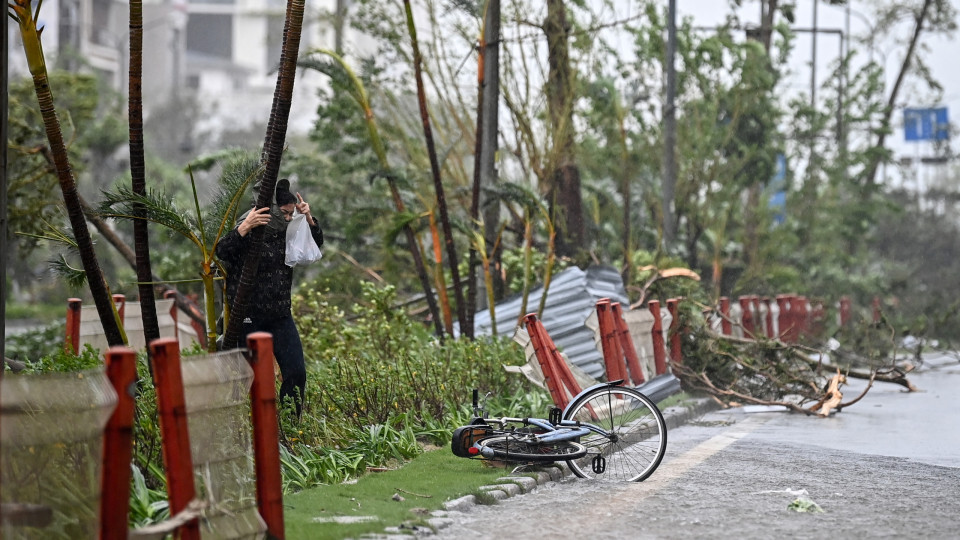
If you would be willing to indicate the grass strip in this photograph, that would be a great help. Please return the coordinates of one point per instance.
(370, 506)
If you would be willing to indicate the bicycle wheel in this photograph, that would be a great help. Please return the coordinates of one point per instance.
(638, 434)
(520, 447)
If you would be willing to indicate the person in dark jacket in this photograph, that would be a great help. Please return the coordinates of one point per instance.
(268, 309)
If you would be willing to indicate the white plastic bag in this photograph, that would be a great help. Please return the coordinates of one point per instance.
(301, 247)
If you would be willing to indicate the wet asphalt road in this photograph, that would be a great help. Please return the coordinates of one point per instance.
(887, 467)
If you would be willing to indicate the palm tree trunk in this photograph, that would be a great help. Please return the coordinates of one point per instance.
(38, 70)
(273, 152)
(141, 240)
(437, 182)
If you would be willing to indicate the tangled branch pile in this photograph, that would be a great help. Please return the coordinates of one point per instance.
(762, 371)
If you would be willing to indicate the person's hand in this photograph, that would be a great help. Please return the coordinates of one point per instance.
(304, 209)
(256, 218)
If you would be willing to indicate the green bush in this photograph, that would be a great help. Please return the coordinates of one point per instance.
(365, 371)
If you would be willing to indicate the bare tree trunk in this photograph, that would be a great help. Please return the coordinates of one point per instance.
(871, 173)
(472, 284)
(564, 195)
(491, 130)
(4, 243)
(625, 273)
(669, 183)
(484, 164)
(452, 259)
(751, 224)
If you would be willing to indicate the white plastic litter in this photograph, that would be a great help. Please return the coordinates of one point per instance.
(301, 247)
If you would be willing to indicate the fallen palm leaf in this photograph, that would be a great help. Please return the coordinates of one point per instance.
(805, 505)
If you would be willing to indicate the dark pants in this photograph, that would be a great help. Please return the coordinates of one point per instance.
(289, 353)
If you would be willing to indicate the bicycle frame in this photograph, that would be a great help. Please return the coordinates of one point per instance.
(566, 430)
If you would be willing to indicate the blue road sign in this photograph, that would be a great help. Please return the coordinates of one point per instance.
(931, 124)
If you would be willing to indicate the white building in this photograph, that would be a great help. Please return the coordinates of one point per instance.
(224, 53)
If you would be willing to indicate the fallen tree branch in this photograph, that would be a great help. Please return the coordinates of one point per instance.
(856, 399)
(893, 375)
(717, 391)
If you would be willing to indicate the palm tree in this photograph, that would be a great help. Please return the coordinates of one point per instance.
(38, 70)
(272, 154)
(203, 230)
(141, 240)
(339, 70)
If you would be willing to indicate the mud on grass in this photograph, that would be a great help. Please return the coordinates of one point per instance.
(404, 496)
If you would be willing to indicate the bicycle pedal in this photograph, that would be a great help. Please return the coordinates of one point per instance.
(599, 464)
(555, 416)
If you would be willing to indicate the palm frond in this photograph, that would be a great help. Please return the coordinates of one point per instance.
(157, 207)
(74, 277)
(513, 193)
(400, 180)
(400, 221)
(208, 161)
(55, 234)
(239, 172)
(322, 62)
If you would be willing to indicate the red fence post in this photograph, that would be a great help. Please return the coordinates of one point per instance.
(767, 301)
(803, 314)
(725, 326)
(758, 323)
(817, 317)
(121, 364)
(783, 320)
(844, 310)
(72, 339)
(120, 301)
(266, 433)
(551, 377)
(626, 344)
(172, 410)
(746, 316)
(612, 355)
(676, 355)
(656, 333)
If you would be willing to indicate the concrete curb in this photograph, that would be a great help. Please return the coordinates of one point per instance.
(520, 483)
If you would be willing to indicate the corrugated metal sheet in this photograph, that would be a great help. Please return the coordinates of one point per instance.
(572, 297)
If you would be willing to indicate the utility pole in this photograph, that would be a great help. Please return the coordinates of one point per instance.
(669, 183)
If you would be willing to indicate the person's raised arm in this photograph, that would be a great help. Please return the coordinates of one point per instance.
(256, 218)
(304, 209)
